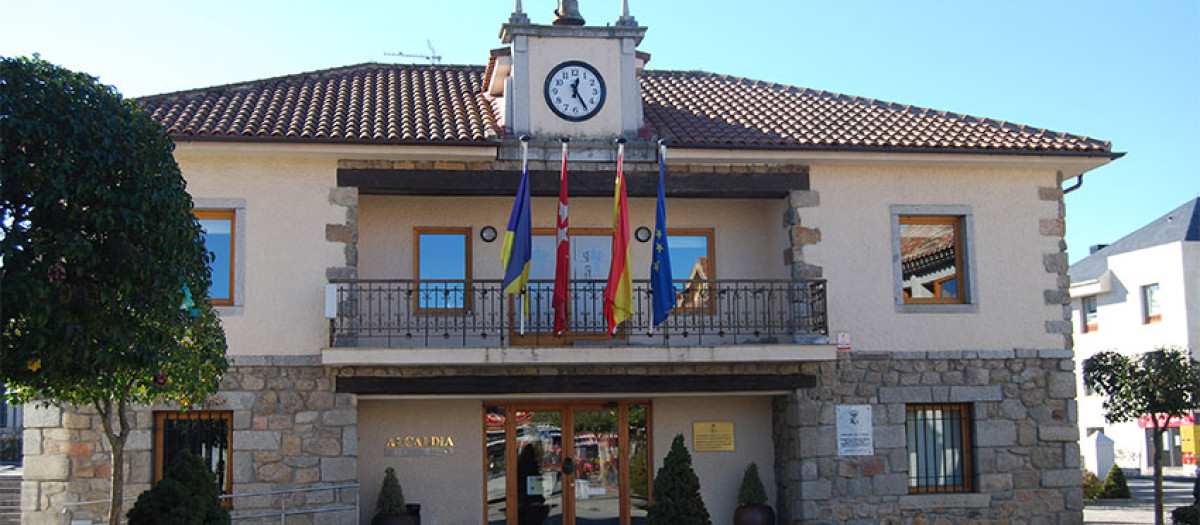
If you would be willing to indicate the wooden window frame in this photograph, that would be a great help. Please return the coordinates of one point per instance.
(160, 420)
(1147, 316)
(956, 222)
(418, 231)
(231, 216)
(569, 335)
(967, 443)
(710, 234)
(1083, 314)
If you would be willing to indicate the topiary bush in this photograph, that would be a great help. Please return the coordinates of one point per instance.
(391, 497)
(677, 491)
(1091, 485)
(752, 492)
(1115, 485)
(187, 495)
(1189, 515)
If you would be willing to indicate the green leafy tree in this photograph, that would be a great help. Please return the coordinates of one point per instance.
(104, 271)
(1115, 485)
(677, 491)
(1092, 485)
(187, 495)
(1158, 385)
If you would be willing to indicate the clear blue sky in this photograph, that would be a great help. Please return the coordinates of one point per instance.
(1124, 71)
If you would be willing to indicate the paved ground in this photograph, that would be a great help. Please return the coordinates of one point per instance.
(1140, 510)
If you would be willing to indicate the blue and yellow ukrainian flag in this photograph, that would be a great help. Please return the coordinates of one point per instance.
(517, 251)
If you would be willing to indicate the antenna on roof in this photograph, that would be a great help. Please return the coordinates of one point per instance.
(432, 56)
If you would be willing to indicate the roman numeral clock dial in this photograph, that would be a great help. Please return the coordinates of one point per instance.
(575, 90)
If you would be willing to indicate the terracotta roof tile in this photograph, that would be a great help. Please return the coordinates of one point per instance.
(380, 103)
(707, 110)
(395, 104)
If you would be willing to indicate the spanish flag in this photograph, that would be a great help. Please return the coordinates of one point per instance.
(618, 294)
(517, 250)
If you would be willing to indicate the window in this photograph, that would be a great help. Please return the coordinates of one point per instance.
(219, 227)
(442, 266)
(208, 435)
(939, 447)
(931, 259)
(1151, 312)
(1087, 314)
(693, 263)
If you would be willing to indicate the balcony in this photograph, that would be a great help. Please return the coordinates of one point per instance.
(412, 314)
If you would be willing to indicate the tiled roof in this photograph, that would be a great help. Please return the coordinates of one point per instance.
(381, 103)
(398, 104)
(708, 110)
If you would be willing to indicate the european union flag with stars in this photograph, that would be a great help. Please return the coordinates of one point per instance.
(662, 290)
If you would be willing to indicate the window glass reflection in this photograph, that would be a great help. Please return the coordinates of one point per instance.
(929, 259)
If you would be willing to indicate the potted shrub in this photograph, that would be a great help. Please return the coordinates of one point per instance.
(390, 508)
(752, 501)
(677, 491)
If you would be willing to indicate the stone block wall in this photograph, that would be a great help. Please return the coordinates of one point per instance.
(290, 430)
(1026, 452)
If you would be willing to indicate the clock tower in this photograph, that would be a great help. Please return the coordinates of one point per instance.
(569, 79)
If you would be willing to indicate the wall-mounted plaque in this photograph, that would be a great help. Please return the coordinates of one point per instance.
(855, 430)
(712, 436)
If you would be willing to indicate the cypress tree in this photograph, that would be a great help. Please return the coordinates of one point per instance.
(677, 491)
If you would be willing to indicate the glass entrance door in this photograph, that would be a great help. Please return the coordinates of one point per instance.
(566, 463)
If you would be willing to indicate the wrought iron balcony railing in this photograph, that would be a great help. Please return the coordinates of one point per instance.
(407, 313)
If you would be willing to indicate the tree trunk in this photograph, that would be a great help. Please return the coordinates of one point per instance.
(1158, 480)
(116, 441)
(117, 494)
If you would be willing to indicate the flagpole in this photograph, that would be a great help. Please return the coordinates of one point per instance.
(562, 251)
(662, 161)
(522, 304)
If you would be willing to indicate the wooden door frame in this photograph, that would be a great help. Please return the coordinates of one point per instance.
(567, 409)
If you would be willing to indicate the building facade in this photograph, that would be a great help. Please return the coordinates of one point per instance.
(871, 298)
(1137, 294)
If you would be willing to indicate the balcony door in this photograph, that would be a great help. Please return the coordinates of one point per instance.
(591, 255)
(567, 463)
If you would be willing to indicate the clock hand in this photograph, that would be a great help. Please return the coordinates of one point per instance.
(575, 93)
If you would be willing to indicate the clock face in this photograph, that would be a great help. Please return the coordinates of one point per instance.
(575, 90)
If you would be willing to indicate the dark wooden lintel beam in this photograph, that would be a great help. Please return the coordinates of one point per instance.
(581, 183)
(571, 384)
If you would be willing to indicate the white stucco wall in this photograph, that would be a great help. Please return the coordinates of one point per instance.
(286, 210)
(604, 55)
(747, 232)
(720, 473)
(1191, 272)
(1120, 327)
(856, 254)
(1119, 312)
(449, 488)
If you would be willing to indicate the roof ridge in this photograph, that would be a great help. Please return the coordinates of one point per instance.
(1128, 243)
(316, 73)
